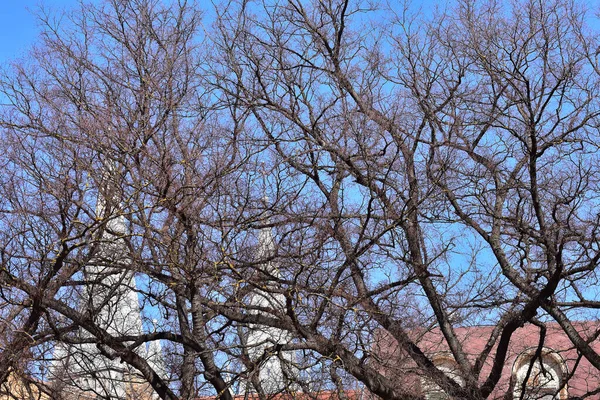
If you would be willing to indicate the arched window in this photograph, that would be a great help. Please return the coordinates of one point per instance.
(539, 378)
(448, 366)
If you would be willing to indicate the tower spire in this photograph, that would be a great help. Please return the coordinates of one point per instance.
(261, 339)
(106, 204)
(112, 299)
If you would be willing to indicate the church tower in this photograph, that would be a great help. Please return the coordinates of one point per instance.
(83, 368)
(275, 368)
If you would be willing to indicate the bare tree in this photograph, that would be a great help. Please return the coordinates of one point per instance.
(446, 169)
(110, 92)
(338, 193)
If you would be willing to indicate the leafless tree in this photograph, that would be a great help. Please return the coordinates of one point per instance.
(416, 175)
(112, 90)
(444, 172)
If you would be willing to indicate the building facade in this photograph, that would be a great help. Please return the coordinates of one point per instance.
(81, 369)
(540, 366)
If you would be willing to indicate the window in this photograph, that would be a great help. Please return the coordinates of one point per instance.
(449, 367)
(541, 378)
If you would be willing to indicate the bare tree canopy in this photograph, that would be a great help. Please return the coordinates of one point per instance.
(302, 197)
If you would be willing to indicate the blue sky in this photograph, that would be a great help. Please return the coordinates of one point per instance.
(19, 27)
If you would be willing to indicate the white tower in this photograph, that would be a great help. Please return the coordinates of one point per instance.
(260, 340)
(112, 298)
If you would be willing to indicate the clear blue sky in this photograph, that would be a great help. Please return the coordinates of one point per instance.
(18, 24)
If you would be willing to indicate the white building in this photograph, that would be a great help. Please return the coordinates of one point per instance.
(84, 369)
(275, 368)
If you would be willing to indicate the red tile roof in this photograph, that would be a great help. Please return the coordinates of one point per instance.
(394, 364)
